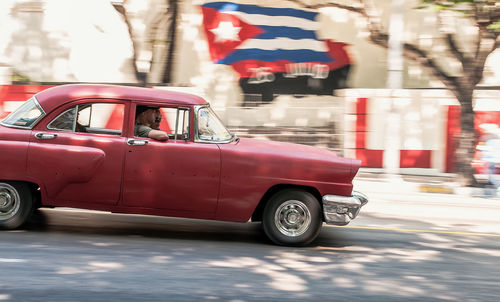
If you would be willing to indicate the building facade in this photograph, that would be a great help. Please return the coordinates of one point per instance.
(337, 100)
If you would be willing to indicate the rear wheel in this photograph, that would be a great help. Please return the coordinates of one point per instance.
(292, 217)
(16, 204)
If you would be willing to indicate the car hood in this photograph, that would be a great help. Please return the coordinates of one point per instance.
(290, 161)
(287, 149)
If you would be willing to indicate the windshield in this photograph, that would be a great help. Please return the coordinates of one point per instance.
(210, 128)
(25, 116)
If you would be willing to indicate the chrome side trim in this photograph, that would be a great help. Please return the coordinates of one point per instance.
(340, 210)
(136, 142)
(41, 135)
(15, 127)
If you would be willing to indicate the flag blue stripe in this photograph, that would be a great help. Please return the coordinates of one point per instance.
(261, 10)
(295, 33)
(295, 55)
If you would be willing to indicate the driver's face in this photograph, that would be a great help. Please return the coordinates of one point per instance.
(156, 119)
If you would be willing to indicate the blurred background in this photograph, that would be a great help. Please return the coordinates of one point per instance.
(408, 87)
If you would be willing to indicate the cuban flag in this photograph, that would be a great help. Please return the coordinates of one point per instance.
(248, 36)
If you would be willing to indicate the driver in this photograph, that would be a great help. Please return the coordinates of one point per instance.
(147, 122)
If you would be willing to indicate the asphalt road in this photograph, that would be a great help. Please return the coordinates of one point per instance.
(68, 255)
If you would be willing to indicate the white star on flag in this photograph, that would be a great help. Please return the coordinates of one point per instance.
(226, 31)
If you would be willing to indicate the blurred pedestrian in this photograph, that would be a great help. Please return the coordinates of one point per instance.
(490, 156)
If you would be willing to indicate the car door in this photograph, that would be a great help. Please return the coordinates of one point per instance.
(176, 175)
(77, 153)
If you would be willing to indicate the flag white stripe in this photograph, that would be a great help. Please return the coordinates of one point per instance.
(256, 19)
(284, 43)
(275, 4)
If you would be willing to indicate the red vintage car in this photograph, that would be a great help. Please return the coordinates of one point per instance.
(74, 146)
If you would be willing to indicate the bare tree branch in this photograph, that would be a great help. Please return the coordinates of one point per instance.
(459, 55)
(415, 53)
(478, 43)
(354, 9)
(380, 38)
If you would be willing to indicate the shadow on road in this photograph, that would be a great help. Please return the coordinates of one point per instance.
(108, 224)
(102, 223)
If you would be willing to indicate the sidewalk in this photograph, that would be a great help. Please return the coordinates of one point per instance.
(405, 202)
(417, 184)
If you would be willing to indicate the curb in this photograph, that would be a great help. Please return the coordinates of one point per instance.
(432, 188)
(377, 186)
(464, 191)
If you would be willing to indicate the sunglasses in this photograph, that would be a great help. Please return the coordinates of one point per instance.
(157, 119)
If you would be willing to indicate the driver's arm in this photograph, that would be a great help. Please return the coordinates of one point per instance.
(158, 135)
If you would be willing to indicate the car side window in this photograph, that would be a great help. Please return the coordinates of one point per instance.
(176, 122)
(171, 120)
(97, 118)
(25, 116)
(210, 128)
(64, 121)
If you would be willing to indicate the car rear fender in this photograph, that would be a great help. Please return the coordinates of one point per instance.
(14, 149)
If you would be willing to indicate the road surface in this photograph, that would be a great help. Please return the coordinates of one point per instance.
(399, 249)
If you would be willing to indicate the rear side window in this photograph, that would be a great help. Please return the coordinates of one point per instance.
(25, 116)
(65, 121)
(97, 118)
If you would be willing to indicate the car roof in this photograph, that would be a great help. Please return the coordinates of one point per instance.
(53, 97)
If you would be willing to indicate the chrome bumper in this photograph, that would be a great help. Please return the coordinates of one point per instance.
(340, 210)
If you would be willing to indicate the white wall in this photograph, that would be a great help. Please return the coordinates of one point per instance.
(422, 116)
(61, 41)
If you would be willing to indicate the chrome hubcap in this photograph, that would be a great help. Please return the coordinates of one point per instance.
(9, 201)
(292, 218)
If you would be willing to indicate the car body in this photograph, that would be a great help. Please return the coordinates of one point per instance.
(74, 146)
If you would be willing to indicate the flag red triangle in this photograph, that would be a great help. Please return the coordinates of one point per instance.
(221, 48)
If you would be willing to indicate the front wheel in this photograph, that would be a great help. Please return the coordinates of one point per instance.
(292, 217)
(16, 204)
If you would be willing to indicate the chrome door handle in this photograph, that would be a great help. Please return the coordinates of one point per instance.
(136, 142)
(41, 135)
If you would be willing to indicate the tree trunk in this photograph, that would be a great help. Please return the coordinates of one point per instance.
(467, 141)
